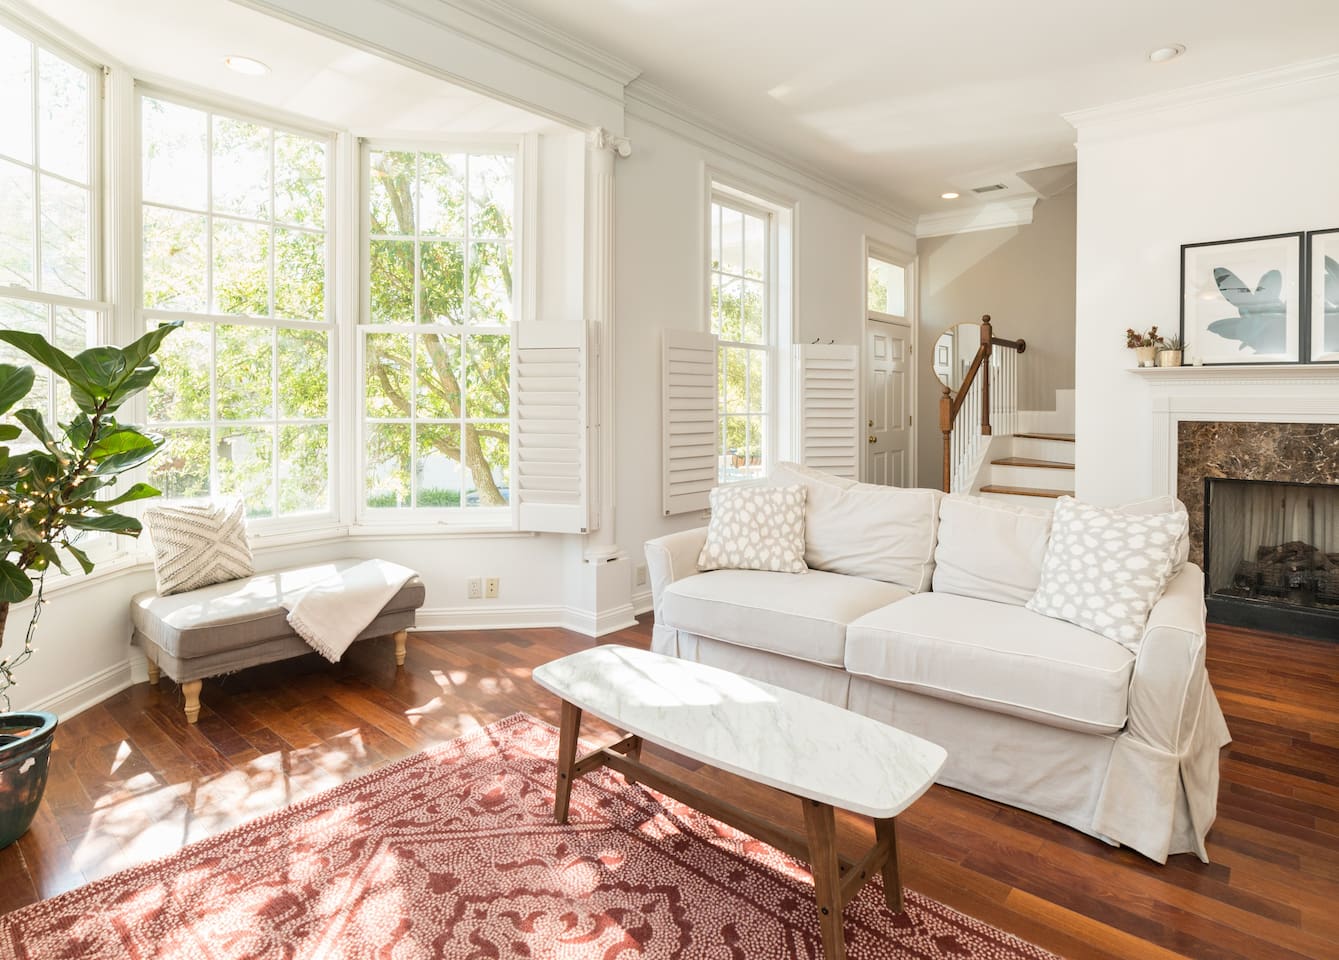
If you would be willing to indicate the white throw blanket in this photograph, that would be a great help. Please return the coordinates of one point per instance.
(331, 613)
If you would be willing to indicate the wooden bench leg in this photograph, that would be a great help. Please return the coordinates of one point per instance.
(401, 636)
(154, 672)
(821, 826)
(569, 731)
(885, 831)
(191, 690)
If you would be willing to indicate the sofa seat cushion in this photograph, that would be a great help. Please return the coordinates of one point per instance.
(996, 656)
(240, 613)
(796, 615)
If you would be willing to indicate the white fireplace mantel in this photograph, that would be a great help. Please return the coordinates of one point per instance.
(1265, 393)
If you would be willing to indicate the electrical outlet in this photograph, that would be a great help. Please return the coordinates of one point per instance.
(490, 588)
(474, 588)
(639, 576)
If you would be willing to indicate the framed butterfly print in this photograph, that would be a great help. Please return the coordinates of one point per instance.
(1323, 273)
(1241, 300)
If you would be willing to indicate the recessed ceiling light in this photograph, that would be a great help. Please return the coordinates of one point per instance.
(252, 68)
(1163, 54)
(949, 196)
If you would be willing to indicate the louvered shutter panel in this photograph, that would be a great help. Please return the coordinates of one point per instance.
(830, 408)
(548, 470)
(689, 420)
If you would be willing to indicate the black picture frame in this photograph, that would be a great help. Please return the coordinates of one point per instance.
(1322, 339)
(1261, 256)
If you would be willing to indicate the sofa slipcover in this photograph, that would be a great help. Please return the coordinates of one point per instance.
(990, 550)
(799, 615)
(995, 656)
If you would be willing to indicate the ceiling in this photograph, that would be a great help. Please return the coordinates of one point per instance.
(906, 101)
(312, 76)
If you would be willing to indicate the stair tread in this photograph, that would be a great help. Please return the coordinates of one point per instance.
(1062, 437)
(1025, 491)
(1030, 462)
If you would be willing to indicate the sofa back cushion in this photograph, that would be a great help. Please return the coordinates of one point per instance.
(990, 550)
(865, 529)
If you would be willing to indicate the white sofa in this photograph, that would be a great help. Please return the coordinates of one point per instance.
(912, 612)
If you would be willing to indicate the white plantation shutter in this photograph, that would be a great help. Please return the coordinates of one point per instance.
(549, 428)
(689, 420)
(829, 412)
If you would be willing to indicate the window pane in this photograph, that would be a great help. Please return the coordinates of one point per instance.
(244, 372)
(299, 180)
(241, 268)
(386, 374)
(27, 318)
(753, 461)
(174, 260)
(734, 441)
(16, 96)
(65, 241)
(492, 196)
(488, 461)
(174, 154)
(488, 377)
(757, 400)
(734, 388)
(304, 374)
(387, 480)
(246, 467)
(754, 305)
(76, 331)
(490, 283)
(887, 287)
(241, 171)
(299, 274)
(180, 391)
(438, 465)
(391, 190)
(63, 117)
(304, 469)
(732, 241)
(181, 469)
(443, 282)
(755, 249)
(391, 279)
(16, 223)
(438, 361)
(731, 295)
(442, 194)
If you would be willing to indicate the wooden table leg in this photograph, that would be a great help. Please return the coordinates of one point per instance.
(569, 731)
(885, 831)
(401, 637)
(191, 691)
(821, 826)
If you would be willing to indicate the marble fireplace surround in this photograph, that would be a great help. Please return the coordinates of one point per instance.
(1262, 423)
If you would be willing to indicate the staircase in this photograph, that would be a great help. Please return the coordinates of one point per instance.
(1036, 464)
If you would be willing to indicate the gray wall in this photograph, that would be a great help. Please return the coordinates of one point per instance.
(1024, 278)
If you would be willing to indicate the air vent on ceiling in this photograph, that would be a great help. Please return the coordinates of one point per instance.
(989, 188)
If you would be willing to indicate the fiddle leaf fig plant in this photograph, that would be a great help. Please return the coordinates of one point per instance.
(57, 484)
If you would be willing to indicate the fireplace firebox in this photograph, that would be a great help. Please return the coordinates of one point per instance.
(1271, 555)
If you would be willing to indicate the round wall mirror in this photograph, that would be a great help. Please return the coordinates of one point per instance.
(953, 353)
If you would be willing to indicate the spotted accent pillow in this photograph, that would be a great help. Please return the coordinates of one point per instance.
(1105, 569)
(755, 528)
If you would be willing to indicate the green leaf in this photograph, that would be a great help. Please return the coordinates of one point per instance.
(121, 462)
(146, 346)
(37, 427)
(15, 382)
(35, 345)
(120, 440)
(103, 367)
(109, 523)
(140, 491)
(15, 586)
(47, 557)
(140, 367)
(79, 555)
(9, 432)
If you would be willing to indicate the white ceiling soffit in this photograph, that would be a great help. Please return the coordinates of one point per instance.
(1014, 212)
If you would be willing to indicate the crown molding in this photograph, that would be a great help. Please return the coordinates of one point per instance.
(647, 101)
(1153, 110)
(1014, 212)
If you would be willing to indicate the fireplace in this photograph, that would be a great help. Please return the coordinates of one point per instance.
(1271, 555)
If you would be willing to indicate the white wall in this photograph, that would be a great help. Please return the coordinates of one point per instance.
(1243, 165)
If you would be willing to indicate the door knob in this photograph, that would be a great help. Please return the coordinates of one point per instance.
(869, 423)
(872, 438)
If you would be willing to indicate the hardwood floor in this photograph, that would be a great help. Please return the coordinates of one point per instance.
(131, 781)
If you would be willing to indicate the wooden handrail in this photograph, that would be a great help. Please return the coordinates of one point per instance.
(949, 405)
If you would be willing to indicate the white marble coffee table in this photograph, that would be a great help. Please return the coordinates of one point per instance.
(825, 755)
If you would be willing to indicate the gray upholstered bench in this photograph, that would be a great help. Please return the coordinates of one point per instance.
(225, 627)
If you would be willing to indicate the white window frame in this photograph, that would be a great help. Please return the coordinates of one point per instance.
(523, 207)
(276, 525)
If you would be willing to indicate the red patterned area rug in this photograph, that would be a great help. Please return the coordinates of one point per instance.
(453, 853)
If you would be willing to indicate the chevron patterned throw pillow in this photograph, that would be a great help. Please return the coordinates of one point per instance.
(196, 544)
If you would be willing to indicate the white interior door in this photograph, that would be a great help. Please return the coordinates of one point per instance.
(888, 403)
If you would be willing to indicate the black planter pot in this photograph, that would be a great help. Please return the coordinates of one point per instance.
(25, 748)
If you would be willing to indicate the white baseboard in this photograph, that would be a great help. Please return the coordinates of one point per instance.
(601, 622)
(642, 602)
(520, 616)
(88, 692)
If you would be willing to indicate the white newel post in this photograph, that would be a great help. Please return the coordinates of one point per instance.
(606, 572)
